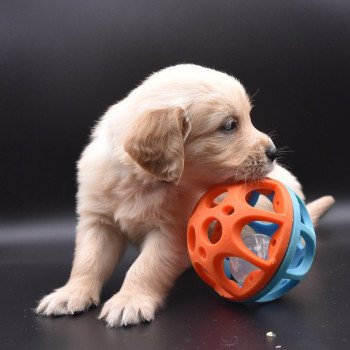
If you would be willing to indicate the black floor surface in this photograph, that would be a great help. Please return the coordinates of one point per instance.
(35, 257)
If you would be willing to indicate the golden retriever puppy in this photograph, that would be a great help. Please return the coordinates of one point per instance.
(183, 130)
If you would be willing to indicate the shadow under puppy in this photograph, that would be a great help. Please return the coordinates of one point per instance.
(151, 156)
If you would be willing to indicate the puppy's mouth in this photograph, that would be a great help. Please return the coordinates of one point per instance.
(253, 170)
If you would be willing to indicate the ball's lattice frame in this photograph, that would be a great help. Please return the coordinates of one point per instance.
(285, 226)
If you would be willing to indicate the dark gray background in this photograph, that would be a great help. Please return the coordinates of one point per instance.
(62, 63)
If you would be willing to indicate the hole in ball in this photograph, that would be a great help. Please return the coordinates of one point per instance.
(261, 198)
(256, 236)
(191, 237)
(202, 253)
(214, 231)
(228, 210)
(238, 270)
(219, 199)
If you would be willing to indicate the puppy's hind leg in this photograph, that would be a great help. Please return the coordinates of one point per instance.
(99, 246)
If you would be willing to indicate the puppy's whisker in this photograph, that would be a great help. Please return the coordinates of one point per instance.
(237, 170)
(245, 179)
(256, 179)
(254, 175)
(252, 96)
(236, 175)
(281, 151)
(284, 149)
(272, 134)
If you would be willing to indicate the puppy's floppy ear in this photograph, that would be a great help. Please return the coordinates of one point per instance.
(156, 143)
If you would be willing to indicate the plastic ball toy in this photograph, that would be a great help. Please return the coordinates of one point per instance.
(248, 252)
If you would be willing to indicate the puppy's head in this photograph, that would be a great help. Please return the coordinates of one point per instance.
(195, 124)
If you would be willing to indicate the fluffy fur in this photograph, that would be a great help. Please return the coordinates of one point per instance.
(150, 158)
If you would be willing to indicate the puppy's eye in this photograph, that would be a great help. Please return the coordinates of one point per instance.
(229, 126)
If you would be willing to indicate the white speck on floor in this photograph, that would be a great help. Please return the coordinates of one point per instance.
(271, 334)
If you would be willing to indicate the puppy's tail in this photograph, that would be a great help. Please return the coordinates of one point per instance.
(319, 207)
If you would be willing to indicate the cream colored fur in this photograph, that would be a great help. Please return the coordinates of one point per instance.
(150, 158)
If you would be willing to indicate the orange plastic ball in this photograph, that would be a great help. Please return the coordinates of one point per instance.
(215, 234)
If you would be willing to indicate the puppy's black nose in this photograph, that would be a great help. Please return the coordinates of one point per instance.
(271, 152)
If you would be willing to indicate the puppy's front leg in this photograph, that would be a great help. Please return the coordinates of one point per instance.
(98, 248)
(147, 282)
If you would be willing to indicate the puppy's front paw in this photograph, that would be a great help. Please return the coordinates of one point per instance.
(68, 299)
(126, 309)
